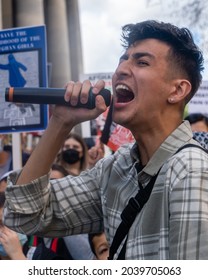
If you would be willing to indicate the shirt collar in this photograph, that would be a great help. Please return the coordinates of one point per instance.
(172, 143)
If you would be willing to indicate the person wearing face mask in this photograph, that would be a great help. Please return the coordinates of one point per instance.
(74, 158)
(74, 154)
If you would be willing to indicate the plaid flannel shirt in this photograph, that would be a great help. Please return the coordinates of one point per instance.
(172, 225)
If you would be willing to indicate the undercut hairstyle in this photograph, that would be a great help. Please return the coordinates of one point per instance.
(184, 54)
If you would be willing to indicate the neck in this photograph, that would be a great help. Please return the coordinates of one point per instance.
(149, 141)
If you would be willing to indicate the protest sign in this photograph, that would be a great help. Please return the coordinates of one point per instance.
(22, 64)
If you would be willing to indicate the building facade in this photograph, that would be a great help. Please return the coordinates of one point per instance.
(61, 18)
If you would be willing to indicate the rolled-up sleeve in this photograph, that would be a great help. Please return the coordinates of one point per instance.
(54, 208)
(24, 204)
(29, 198)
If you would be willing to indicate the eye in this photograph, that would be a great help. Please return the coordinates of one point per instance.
(142, 62)
(102, 250)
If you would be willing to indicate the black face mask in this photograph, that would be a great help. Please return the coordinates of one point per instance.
(70, 156)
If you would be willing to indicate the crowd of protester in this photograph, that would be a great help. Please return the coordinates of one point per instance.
(75, 156)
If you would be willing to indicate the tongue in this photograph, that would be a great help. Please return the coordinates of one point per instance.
(125, 98)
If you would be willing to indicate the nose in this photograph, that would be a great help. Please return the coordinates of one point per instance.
(123, 69)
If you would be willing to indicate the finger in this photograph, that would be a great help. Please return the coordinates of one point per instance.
(75, 93)
(84, 94)
(100, 104)
(80, 92)
(100, 153)
(93, 153)
(69, 88)
(98, 86)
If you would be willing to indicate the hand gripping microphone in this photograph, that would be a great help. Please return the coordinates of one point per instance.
(51, 96)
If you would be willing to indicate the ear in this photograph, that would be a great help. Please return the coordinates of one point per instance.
(181, 90)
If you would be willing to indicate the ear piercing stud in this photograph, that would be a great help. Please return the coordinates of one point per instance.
(171, 100)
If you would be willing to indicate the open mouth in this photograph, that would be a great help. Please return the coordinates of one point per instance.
(124, 94)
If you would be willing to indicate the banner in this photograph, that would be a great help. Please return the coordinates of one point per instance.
(22, 64)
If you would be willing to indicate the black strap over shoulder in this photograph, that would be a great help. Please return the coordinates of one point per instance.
(128, 216)
(133, 207)
(192, 145)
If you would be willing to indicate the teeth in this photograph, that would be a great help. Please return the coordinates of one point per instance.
(122, 87)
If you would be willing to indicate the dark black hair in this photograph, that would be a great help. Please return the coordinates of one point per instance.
(196, 117)
(184, 52)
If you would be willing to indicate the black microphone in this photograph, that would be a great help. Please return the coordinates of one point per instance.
(51, 96)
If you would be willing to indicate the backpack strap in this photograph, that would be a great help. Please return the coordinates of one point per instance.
(133, 207)
(128, 216)
(191, 145)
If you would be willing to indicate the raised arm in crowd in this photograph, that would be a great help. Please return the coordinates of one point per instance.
(158, 73)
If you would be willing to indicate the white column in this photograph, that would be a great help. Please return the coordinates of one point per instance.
(28, 13)
(75, 41)
(58, 42)
(1, 16)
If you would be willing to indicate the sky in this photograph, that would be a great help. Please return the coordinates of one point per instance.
(101, 23)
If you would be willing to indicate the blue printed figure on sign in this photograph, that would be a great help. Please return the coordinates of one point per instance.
(15, 77)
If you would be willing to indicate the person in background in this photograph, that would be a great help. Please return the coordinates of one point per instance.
(198, 121)
(95, 153)
(74, 154)
(99, 245)
(74, 158)
(11, 242)
(6, 160)
(3, 181)
(199, 126)
(5, 155)
(158, 73)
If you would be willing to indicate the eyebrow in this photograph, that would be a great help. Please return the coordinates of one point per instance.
(141, 54)
(137, 55)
